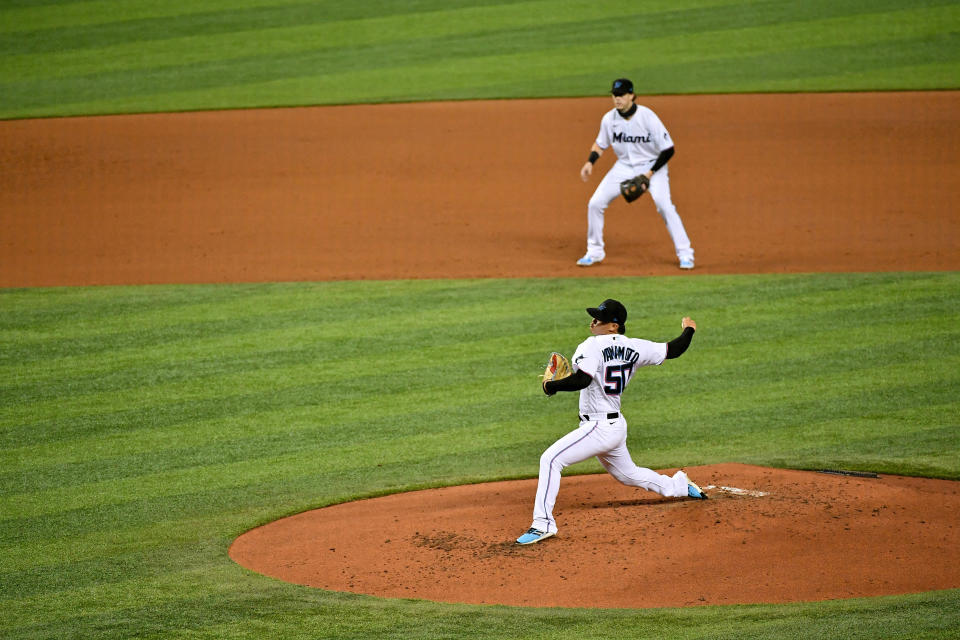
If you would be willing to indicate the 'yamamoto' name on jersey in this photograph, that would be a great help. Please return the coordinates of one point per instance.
(623, 354)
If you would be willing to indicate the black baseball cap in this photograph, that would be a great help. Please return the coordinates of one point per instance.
(621, 86)
(610, 311)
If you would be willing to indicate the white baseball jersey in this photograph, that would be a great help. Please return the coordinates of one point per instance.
(637, 141)
(611, 361)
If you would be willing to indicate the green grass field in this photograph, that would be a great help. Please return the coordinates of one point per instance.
(101, 56)
(144, 428)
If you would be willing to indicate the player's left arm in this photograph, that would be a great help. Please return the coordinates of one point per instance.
(584, 360)
(663, 141)
(662, 159)
(576, 382)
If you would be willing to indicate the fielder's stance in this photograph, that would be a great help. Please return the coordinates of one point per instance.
(643, 147)
(602, 367)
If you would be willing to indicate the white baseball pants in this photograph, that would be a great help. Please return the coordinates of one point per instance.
(609, 189)
(607, 440)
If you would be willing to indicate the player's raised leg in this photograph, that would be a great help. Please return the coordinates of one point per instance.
(621, 466)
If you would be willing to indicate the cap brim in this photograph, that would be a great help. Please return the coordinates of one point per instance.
(594, 312)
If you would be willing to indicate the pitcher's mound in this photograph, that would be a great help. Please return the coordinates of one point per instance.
(765, 535)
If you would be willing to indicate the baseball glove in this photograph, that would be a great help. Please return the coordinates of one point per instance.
(634, 187)
(557, 368)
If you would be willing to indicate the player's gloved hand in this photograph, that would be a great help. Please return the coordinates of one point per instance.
(634, 187)
(558, 367)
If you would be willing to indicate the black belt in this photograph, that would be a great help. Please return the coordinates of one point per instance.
(610, 416)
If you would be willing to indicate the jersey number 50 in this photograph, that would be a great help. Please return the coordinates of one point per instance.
(616, 377)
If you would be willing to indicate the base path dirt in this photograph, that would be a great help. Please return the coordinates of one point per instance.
(764, 536)
(764, 183)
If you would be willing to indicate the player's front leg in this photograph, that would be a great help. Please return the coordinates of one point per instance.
(605, 193)
(576, 446)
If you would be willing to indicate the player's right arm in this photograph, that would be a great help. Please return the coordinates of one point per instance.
(678, 345)
(587, 169)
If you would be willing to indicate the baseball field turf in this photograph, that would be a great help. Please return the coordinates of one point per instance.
(144, 428)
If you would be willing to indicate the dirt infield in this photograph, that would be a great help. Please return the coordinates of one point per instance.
(764, 183)
(767, 535)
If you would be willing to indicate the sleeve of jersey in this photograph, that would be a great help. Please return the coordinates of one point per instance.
(586, 359)
(660, 133)
(603, 138)
(651, 353)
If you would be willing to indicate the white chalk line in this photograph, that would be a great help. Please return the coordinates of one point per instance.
(738, 491)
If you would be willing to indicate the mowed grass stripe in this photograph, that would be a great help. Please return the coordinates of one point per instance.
(46, 15)
(319, 380)
(732, 32)
(350, 37)
(237, 438)
(195, 372)
(912, 441)
(167, 586)
(500, 61)
(163, 366)
(799, 352)
(283, 392)
(105, 23)
(273, 317)
(502, 23)
(206, 602)
(223, 512)
(781, 419)
(90, 326)
(98, 543)
(231, 439)
(322, 336)
(297, 380)
(711, 68)
(303, 351)
(829, 68)
(410, 447)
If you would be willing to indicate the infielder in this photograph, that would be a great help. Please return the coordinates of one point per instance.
(643, 146)
(602, 367)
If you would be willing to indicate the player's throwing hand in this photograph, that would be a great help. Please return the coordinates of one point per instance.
(586, 171)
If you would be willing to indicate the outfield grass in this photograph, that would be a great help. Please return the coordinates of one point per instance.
(68, 57)
(143, 428)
